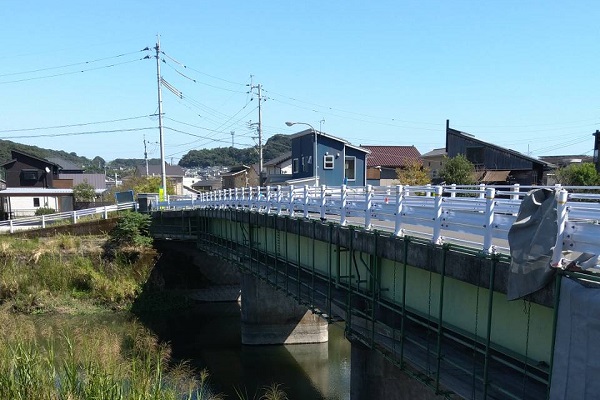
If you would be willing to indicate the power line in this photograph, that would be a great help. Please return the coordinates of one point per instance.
(202, 73)
(71, 65)
(77, 133)
(72, 72)
(73, 125)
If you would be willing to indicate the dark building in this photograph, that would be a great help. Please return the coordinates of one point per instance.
(26, 170)
(496, 164)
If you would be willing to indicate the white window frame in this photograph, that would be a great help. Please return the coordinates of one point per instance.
(328, 161)
(295, 165)
(347, 158)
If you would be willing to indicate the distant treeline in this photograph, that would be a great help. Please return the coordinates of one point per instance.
(221, 156)
(229, 156)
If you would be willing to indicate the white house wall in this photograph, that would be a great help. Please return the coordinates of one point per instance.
(22, 206)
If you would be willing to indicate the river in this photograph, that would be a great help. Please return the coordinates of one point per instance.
(209, 337)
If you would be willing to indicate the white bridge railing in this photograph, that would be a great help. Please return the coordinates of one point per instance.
(475, 216)
(42, 221)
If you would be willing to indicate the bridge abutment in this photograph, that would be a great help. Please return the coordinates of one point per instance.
(373, 377)
(271, 317)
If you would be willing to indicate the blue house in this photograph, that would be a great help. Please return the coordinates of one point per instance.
(337, 161)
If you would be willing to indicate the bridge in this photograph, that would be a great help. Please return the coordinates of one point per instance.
(419, 275)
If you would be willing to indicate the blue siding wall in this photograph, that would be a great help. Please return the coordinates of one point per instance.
(360, 166)
(302, 149)
(335, 176)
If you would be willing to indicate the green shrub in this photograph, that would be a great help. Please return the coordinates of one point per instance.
(44, 211)
(132, 229)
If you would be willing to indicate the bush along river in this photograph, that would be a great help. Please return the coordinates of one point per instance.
(94, 317)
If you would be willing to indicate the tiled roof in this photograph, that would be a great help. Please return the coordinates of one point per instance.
(391, 156)
(435, 153)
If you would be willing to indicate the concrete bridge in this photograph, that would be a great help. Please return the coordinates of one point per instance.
(422, 311)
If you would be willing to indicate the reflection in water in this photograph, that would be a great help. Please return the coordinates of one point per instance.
(209, 336)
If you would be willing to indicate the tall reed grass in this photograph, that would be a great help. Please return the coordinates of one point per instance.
(37, 275)
(91, 362)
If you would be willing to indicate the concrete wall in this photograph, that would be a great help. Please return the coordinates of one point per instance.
(271, 317)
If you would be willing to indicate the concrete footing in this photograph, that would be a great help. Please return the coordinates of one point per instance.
(375, 378)
(271, 317)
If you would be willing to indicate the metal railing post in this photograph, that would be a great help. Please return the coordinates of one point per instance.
(490, 202)
(515, 188)
(453, 192)
(43, 221)
(105, 212)
(323, 190)
(398, 211)
(305, 201)
(561, 220)
(268, 199)
(428, 191)
(343, 205)
(291, 201)
(279, 200)
(74, 216)
(437, 216)
(368, 205)
(482, 191)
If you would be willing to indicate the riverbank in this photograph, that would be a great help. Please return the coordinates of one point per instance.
(53, 290)
(66, 307)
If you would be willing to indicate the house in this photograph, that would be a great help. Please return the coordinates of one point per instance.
(208, 185)
(72, 171)
(434, 160)
(279, 169)
(66, 166)
(565, 161)
(31, 183)
(384, 160)
(337, 161)
(174, 174)
(240, 176)
(496, 164)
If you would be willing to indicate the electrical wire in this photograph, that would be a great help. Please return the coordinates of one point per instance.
(76, 133)
(73, 125)
(71, 72)
(71, 65)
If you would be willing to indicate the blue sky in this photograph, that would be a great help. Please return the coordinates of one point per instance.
(523, 75)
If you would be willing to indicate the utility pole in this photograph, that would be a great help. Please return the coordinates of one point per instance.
(260, 146)
(160, 123)
(146, 155)
(232, 143)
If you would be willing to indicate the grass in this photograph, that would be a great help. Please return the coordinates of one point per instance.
(40, 275)
(79, 361)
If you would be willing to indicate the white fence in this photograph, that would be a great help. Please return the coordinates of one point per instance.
(475, 216)
(72, 216)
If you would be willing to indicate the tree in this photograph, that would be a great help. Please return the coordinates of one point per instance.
(578, 175)
(84, 192)
(458, 170)
(413, 174)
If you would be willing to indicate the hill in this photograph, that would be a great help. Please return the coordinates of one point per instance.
(222, 156)
(6, 146)
(228, 156)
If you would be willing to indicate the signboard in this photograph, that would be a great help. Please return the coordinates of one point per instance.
(124, 197)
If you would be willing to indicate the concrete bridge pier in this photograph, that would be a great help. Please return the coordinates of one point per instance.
(375, 378)
(271, 317)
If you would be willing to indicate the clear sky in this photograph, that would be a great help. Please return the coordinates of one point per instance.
(521, 74)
